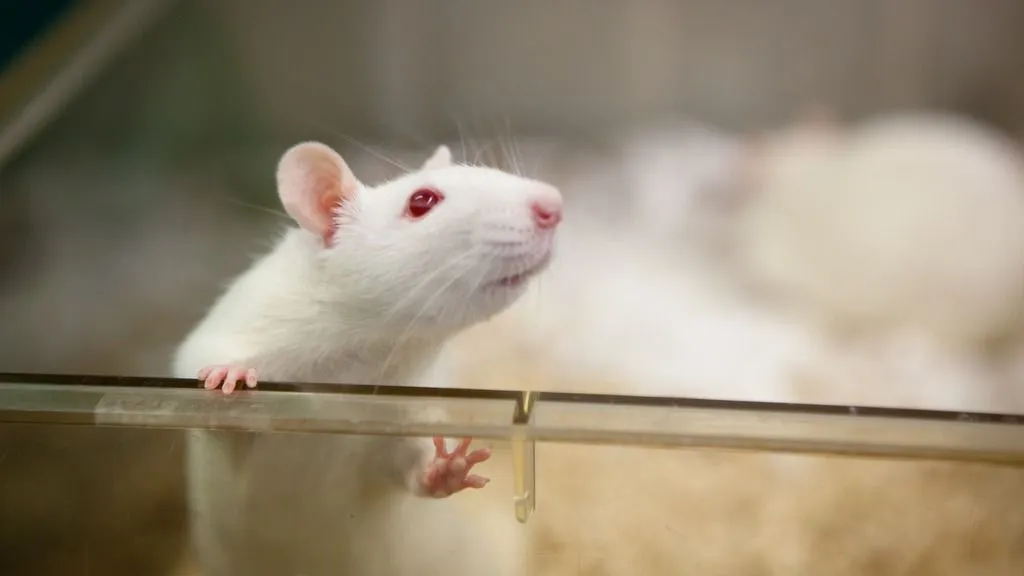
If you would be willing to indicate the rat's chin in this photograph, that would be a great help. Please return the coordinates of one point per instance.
(517, 281)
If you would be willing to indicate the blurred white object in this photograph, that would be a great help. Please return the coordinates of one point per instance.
(904, 369)
(683, 179)
(912, 220)
(629, 306)
(628, 320)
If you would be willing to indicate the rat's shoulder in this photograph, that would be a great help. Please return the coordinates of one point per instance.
(287, 266)
(292, 253)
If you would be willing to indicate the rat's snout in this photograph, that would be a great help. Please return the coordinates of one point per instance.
(546, 214)
(547, 209)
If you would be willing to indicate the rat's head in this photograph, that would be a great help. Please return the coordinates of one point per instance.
(433, 250)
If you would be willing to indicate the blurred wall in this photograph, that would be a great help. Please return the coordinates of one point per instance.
(414, 68)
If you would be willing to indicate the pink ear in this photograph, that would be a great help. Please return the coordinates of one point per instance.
(312, 181)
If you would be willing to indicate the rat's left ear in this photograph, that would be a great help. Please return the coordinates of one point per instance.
(441, 158)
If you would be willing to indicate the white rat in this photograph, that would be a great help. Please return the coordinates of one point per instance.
(908, 221)
(367, 290)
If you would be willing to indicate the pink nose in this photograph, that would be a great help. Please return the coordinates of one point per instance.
(547, 213)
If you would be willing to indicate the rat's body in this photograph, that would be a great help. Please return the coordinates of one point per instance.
(366, 291)
(275, 320)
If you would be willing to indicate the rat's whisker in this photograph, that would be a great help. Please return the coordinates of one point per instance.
(484, 148)
(515, 165)
(520, 161)
(461, 131)
(481, 278)
(459, 260)
(407, 333)
(507, 160)
(504, 161)
(483, 270)
(514, 156)
(496, 150)
(414, 292)
(257, 207)
(476, 286)
(462, 137)
(536, 169)
(373, 151)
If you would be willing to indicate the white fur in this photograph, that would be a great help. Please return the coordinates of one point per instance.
(375, 306)
(912, 221)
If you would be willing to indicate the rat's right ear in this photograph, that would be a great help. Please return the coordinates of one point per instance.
(312, 181)
(442, 158)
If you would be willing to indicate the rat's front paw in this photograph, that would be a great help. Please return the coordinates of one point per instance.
(228, 375)
(449, 472)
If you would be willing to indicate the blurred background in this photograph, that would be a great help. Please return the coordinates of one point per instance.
(138, 141)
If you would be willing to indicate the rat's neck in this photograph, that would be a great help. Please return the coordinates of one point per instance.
(393, 363)
(330, 337)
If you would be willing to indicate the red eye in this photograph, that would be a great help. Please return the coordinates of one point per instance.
(423, 201)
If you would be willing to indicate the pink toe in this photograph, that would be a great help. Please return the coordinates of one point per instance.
(442, 467)
(439, 447)
(463, 446)
(478, 456)
(215, 377)
(234, 376)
